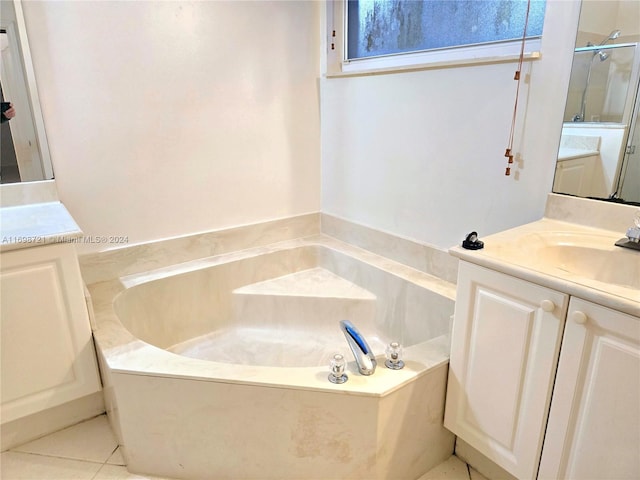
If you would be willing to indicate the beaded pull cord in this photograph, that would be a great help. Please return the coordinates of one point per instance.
(516, 77)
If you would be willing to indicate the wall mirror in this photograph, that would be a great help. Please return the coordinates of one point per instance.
(25, 151)
(599, 155)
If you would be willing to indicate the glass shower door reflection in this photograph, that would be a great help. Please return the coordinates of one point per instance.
(629, 183)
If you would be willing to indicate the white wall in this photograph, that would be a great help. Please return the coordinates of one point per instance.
(169, 118)
(420, 154)
(598, 18)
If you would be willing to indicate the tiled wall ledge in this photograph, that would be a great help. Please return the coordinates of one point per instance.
(138, 258)
(422, 257)
(97, 267)
(101, 266)
(591, 213)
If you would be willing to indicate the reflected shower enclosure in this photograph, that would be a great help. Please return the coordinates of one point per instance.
(602, 56)
(599, 83)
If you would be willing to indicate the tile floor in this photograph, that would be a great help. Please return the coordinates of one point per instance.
(89, 451)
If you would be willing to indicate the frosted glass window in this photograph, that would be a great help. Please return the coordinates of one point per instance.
(384, 27)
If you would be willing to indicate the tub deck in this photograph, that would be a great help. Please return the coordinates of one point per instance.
(125, 353)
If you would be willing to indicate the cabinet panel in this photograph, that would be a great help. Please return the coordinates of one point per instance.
(47, 351)
(576, 176)
(594, 423)
(505, 344)
(500, 331)
(36, 354)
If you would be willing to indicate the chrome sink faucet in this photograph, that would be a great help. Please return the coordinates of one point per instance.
(361, 351)
(633, 236)
(633, 233)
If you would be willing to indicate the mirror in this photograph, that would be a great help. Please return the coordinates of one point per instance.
(25, 151)
(599, 155)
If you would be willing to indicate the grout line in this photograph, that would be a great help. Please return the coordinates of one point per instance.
(52, 456)
(114, 451)
(61, 458)
(105, 462)
(98, 472)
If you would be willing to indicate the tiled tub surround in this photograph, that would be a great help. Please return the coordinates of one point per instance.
(147, 256)
(143, 257)
(423, 257)
(241, 409)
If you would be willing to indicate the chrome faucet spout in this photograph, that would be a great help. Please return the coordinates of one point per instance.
(633, 235)
(365, 359)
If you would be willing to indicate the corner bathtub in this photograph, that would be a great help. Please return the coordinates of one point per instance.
(217, 368)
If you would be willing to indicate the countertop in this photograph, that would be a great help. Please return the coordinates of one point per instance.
(520, 252)
(569, 153)
(37, 224)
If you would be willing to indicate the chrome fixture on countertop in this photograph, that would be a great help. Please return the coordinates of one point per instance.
(632, 239)
(361, 351)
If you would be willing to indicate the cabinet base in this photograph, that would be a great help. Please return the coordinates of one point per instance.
(25, 429)
(479, 462)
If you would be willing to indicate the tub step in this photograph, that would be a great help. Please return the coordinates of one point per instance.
(314, 282)
(307, 299)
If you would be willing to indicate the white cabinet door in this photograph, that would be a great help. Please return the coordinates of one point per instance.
(505, 343)
(576, 177)
(47, 351)
(594, 423)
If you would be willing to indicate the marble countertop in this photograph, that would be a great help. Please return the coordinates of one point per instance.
(37, 224)
(568, 153)
(519, 252)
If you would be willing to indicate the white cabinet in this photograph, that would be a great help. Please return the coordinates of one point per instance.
(594, 423)
(504, 349)
(505, 355)
(47, 354)
(575, 176)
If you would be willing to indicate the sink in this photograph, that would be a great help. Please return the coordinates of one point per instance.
(592, 257)
(620, 267)
(575, 259)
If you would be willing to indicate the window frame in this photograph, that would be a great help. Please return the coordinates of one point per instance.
(338, 65)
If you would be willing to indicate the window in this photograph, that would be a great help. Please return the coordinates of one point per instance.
(392, 34)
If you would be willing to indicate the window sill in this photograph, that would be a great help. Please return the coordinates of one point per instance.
(353, 70)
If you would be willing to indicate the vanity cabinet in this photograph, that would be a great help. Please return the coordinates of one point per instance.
(504, 349)
(594, 423)
(579, 176)
(48, 357)
(526, 359)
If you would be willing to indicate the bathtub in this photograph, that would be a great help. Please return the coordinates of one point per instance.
(217, 368)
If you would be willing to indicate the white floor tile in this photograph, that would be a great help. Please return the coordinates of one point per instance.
(116, 472)
(24, 466)
(116, 458)
(91, 441)
(451, 469)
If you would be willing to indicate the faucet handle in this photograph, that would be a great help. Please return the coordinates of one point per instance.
(633, 233)
(337, 367)
(394, 356)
